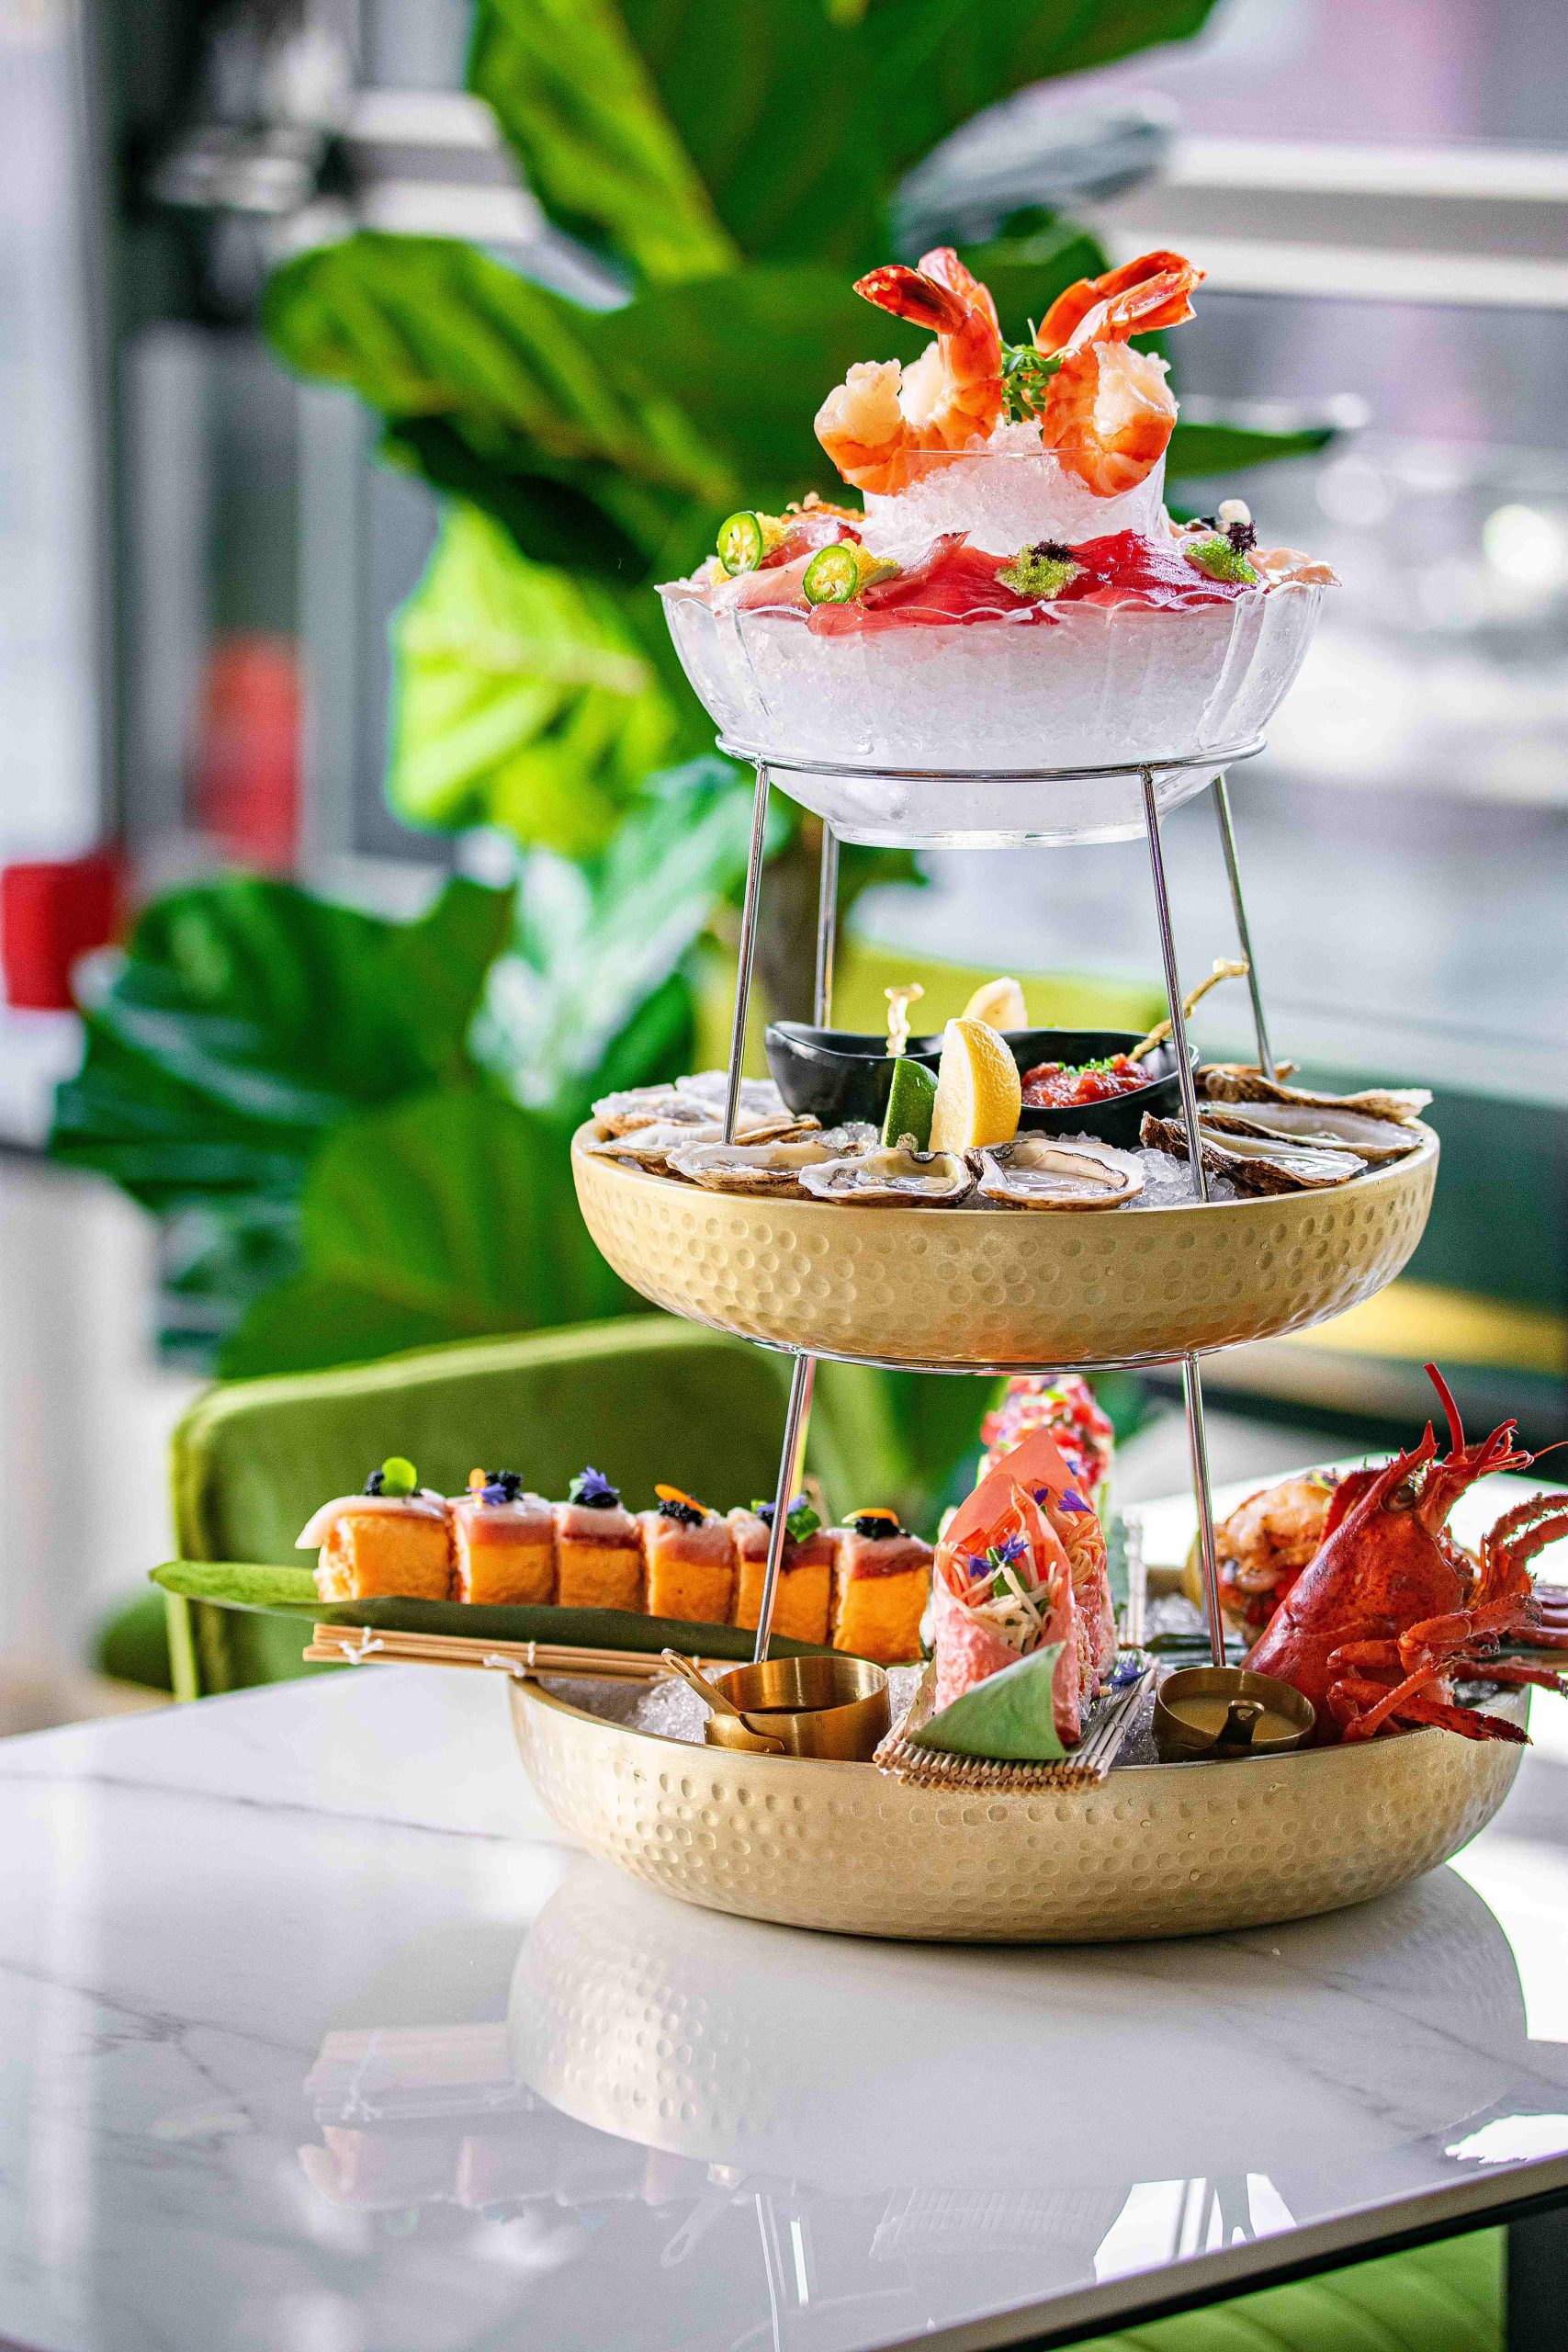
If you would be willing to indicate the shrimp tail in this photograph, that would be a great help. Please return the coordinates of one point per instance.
(911, 294)
(1144, 295)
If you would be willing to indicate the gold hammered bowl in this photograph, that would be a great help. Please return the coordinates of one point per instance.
(977, 1289)
(1174, 1850)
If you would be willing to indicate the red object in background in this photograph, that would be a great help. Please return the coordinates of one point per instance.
(51, 912)
(245, 770)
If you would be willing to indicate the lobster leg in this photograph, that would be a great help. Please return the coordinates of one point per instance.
(1413, 1701)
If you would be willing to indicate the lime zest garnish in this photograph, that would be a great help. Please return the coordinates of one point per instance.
(1220, 559)
(1040, 570)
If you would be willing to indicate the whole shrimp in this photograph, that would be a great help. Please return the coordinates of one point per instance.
(1107, 411)
(883, 419)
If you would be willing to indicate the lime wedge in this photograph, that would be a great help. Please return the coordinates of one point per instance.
(911, 1099)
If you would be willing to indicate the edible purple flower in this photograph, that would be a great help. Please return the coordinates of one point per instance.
(1073, 1501)
(594, 1491)
(1010, 1548)
(500, 1487)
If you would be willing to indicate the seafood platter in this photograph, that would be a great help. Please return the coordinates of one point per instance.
(1009, 623)
(821, 1716)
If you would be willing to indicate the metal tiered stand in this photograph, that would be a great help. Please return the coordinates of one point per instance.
(1159, 1849)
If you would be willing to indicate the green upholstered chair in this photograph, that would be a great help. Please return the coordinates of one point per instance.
(644, 1397)
(1445, 2298)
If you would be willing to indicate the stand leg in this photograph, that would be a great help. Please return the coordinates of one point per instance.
(827, 927)
(1238, 907)
(748, 950)
(1173, 991)
(794, 1448)
(1197, 1448)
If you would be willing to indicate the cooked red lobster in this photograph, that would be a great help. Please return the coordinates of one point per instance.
(1390, 1610)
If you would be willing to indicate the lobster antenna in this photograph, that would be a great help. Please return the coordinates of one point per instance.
(1456, 1427)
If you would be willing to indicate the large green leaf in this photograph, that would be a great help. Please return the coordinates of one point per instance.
(247, 1017)
(425, 328)
(1203, 447)
(799, 117)
(523, 697)
(612, 168)
(594, 940)
(450, 1216)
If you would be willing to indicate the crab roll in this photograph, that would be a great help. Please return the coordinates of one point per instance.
(806, 1572)
(691, 1560)
(882, 1577)
(598, 1547)
(392, 1539)
(504, 1542)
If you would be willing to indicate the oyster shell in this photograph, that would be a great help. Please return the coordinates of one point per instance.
(650, 1147)
(641, 1107)
(1402, 1105)
(1256, 1163)
(892, 1174)
(759, 1098)
(752, 1166)
(1041, 1172)
(1372, 1138)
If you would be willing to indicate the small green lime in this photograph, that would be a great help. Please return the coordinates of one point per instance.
(910, 1101)
(398, 1477)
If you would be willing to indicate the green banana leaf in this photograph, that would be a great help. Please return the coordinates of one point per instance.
(449, 1216)
(1201, 447)
(291, 1592)
(596, 940)
(246, 1018)
(523, 698)
(1008, 1717)
(784, 124)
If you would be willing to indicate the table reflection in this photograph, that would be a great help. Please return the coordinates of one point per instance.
(928, 2129)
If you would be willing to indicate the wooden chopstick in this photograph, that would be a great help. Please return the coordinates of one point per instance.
(366, 1645)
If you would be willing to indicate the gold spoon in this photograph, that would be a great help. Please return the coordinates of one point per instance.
(708, 1692)
(1161, 1030)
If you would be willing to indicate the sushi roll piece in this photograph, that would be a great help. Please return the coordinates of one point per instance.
(881, 1579)
(690, 1559)
(504, 1542)
(598, 1547)
(391, 1540)
(805, 1596)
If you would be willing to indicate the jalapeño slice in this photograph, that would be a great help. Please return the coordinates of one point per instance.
(741, 543)
(832, 576)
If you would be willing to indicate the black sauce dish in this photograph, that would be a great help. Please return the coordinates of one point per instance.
(1116, 1121)
(837, 1075)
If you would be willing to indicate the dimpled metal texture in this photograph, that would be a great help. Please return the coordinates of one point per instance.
(1157, 1851)
(973, 1288)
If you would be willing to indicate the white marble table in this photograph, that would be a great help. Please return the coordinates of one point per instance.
(315, 2036)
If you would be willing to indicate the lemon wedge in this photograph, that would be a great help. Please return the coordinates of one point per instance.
(1000, 1003)
(979, 1090)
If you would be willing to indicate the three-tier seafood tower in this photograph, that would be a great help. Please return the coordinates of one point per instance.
(1008, 640)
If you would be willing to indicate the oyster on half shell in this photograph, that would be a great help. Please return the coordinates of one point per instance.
(642, 1106)
(1256, 1163)
(1042, 1171)
(1331, 1129)
(709, 1089)
(894, 1173)
(753, 1167)
(1395, 1105)
(650, 1147)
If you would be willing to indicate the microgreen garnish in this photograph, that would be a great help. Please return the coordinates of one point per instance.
(594, 1491)
(396, 1477)
(800, 1521)
(1043, 569)
(1026, 373)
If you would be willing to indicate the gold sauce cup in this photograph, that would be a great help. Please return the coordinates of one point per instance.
(831, 1707)
(1225, 1713)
